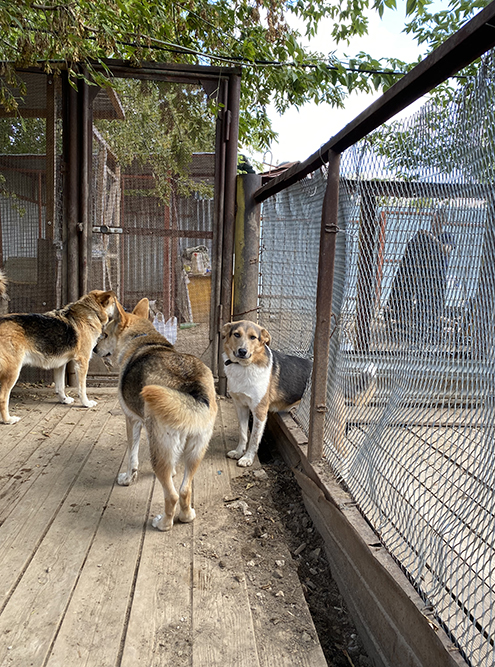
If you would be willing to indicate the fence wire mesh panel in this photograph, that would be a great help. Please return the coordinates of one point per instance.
(290, 231)
(31, 205)
(418, 457)
(153, 205)
(30, 200)
(411, 387)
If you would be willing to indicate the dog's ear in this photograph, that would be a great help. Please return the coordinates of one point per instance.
(119, 313)
(265, 337)
(226, 329)
(107, 298)
(142, 308)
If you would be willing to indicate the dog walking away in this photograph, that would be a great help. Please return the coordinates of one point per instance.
(50, 340)
(172, 394)
(259, 380)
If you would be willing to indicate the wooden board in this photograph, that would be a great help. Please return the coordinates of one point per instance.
(85, 578)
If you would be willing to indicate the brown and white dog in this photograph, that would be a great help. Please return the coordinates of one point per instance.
(50, 340)
(172, 394)
(259, 380)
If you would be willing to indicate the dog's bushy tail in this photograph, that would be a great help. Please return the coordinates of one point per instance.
(178, 409)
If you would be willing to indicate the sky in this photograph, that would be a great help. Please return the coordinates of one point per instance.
(302, 131)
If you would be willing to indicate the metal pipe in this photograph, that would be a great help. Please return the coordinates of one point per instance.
(215, 314)
(72, 194)
(83, 226)
(326, 267)
(247, 249)
(232, 138)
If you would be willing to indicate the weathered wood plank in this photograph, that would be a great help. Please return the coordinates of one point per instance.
(28, 521)
(102, 598)
(35, 410)
(159, 629)
(23, 465)
(34, 611)
(84, 577)
(222, 625)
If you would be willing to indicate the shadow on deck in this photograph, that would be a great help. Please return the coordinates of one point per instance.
(85, 579)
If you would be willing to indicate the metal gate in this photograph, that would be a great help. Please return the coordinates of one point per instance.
(129, 188)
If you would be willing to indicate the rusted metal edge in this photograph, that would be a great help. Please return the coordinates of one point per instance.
(469, 43)
(156, 70)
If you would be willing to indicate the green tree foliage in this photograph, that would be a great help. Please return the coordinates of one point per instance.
(22, 135)
(451, 140)
(164, 125)
(252, 33)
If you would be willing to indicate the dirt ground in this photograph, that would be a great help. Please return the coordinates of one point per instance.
(270, 513)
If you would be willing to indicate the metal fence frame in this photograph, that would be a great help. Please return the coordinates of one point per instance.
(474, 39)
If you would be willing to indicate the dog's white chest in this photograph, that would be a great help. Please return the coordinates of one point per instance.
(249, 384)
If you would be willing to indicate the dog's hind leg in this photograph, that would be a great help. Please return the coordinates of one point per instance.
(133, 428)
(9, 378)
(59, 378)
(243, 417)
(165, 446)
(194, 452)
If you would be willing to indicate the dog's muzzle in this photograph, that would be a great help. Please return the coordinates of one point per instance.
(242, 353)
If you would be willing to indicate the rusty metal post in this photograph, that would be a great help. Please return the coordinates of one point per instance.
(71, 195)
(84, 250)
(231, 138)
(326, 266)
(71, 184)
(215, 314)
(246, 249)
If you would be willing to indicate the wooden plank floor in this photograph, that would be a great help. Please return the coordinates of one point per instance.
(85, 579)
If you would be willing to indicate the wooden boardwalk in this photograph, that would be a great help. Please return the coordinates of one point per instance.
(85, 579)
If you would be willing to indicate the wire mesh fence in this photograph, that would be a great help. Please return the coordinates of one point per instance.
(411, 385)
(30, 202)
(153, 206)
(151, 214)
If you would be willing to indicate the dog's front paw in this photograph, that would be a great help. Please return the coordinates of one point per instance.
(235, 454)
(162, 522)
(12, 420)
(126, 479)
(245, 461)
(67, 400)
(90, 404)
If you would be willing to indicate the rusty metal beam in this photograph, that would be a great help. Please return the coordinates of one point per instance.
(179, 73)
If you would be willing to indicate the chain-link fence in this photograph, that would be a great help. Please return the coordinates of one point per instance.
(411, 383)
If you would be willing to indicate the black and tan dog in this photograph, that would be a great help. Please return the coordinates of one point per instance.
(50, 340)
(172, 394)
(259, 380)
